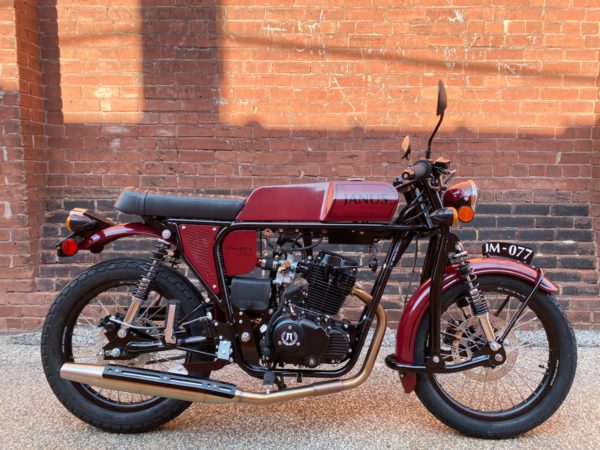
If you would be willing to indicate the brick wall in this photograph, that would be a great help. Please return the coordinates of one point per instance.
(24, 166)
(227, 96)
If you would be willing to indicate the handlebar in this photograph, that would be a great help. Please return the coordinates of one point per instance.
(418, 170)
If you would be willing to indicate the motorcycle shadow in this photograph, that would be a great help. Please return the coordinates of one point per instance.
(378, 402)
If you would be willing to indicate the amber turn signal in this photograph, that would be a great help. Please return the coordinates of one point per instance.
(77, 221)
(454, 216)
(465, 214)
(444, 216)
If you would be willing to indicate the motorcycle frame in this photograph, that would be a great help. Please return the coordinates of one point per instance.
(401, 236)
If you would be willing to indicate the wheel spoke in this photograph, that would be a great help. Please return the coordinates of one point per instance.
(507, 392)
(88, 321)
(504, 303)
(519, 325)
(102, 305)
(156, 301)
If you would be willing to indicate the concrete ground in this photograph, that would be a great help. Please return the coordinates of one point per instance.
(376, 415)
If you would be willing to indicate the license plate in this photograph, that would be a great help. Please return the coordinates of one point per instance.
(508, 250)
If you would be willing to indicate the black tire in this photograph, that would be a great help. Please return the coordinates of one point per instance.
(78, 398)
(439, 395)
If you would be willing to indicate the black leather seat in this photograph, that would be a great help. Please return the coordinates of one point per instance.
(145, 203)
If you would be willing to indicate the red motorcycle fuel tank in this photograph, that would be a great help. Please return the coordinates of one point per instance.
(332, 202)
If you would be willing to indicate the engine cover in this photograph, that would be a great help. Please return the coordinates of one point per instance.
(307, 339)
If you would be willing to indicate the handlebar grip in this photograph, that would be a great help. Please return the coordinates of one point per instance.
(418, 170)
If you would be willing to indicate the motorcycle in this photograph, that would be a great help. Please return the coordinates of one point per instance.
(129, 343)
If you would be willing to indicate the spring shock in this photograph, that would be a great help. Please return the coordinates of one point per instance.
(479, 306)
(477, 301)
(140, 295)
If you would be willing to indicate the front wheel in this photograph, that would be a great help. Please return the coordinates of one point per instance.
(517, 396)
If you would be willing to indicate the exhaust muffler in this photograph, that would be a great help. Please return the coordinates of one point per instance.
(149, 382)
(183, 387)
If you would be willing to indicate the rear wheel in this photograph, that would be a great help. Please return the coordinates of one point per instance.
(73, 332)
(516, 396)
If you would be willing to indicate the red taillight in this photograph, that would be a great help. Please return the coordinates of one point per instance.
(69, 247)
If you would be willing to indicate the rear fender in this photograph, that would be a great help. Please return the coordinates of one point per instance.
(419, 303)
(96, 242)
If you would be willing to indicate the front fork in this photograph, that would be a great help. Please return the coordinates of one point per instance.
(450, 249)
(479, 306)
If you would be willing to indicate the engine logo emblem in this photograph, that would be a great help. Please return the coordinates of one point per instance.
(289, 338)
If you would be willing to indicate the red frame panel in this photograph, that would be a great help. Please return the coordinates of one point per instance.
(239, 252)
(197, 242)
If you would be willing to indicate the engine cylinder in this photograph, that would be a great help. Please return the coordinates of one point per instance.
(330, 280)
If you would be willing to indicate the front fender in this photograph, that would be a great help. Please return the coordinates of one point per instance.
(419, 303)
(96, 242)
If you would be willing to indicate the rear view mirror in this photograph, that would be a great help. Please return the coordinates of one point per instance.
(442, 101)
(405, 147)
(441, 107)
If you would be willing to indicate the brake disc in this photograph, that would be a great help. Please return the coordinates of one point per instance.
(468, 336)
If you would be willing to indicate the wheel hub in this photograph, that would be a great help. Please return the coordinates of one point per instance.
(469, 338)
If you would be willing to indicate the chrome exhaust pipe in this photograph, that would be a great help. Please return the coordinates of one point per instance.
(164, 384)
(148, 382)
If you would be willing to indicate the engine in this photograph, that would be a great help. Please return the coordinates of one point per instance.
(330, 280)
(304, 330)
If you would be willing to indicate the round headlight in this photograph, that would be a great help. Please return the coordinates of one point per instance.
(463, 197)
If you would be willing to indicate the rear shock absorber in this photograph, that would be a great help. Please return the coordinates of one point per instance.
(140, 295)
(477, 301)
